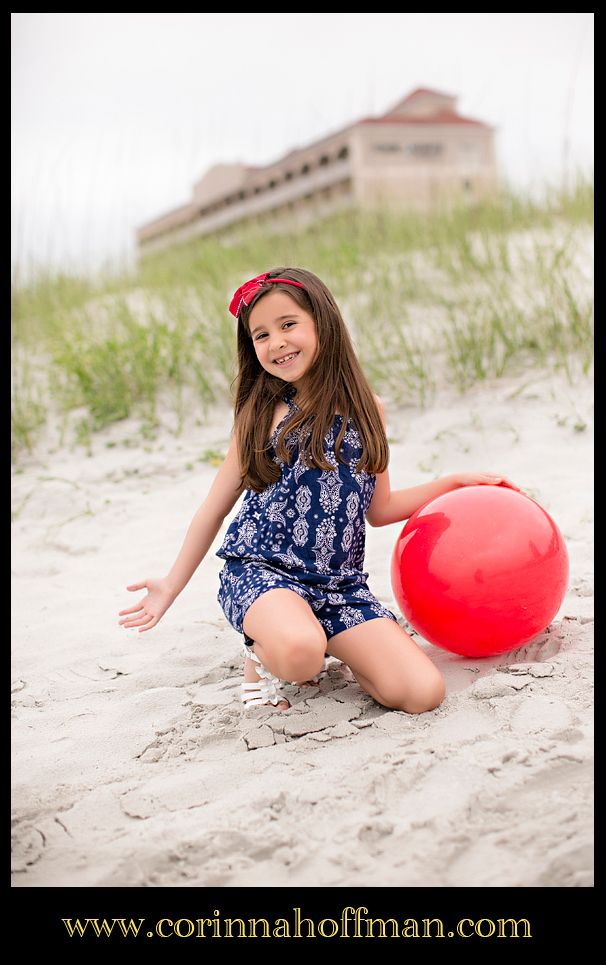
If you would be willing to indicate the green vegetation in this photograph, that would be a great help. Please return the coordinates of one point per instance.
(467, 293)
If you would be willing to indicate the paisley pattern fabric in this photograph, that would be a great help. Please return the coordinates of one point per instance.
(305, 532)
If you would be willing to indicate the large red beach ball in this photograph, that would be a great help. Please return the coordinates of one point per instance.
(480, 570)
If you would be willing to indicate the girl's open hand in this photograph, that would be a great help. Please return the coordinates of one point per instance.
(150, 610)
(485, 479)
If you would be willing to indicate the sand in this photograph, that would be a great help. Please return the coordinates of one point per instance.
(134, 763)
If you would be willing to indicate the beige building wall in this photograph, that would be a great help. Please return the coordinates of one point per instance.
(422, 164)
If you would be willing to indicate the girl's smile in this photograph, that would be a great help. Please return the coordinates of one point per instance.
(285, 360)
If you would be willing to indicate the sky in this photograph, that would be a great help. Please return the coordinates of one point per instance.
(116, 115)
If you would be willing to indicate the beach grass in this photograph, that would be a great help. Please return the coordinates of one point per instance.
(466, 293)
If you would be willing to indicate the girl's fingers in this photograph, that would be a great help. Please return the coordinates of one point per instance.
(510, 485)
(132, 609)
(152, 624)
(139, 621)
(147, 626)
(501, 481)
(488, 479)
(127, 620)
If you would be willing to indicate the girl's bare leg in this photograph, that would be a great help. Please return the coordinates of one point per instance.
(389, 665)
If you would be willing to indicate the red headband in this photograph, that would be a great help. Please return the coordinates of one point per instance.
(249, 289)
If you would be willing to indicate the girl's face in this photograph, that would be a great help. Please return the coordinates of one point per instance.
(280, 328)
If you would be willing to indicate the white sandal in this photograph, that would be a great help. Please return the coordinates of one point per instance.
(259, 693)
(263, 691)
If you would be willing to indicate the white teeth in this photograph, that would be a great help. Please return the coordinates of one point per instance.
(286, 358)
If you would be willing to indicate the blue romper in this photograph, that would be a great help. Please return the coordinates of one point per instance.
(306, 533)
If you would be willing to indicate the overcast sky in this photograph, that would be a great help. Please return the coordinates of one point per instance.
(114, 116)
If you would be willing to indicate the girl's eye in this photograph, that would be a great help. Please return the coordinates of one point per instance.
(263, 333)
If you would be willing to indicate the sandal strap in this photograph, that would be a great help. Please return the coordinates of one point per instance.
(259, 692)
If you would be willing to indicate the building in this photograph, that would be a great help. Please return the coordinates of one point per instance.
(419, 152)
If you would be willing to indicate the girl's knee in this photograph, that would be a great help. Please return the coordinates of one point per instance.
(303, 655)
(297, 653)
(424, 696)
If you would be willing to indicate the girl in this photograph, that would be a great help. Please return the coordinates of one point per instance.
(310, 447)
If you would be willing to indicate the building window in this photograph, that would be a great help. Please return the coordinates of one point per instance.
(324, 160)
(288, 176)
(425, 150)
(305, 169)
(272, 183)
(343, 153)
(387, 148)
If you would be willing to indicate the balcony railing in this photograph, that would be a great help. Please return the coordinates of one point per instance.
(284, 193)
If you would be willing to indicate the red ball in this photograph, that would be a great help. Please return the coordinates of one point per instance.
(480, 570)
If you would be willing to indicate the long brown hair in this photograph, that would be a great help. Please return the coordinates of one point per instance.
(336, 381)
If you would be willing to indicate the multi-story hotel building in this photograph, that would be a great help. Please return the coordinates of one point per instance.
(419, 152)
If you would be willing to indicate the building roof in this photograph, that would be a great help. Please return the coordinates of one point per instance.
(422, 91)
(425, 106)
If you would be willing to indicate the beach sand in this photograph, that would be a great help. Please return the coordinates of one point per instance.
(134, 763)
